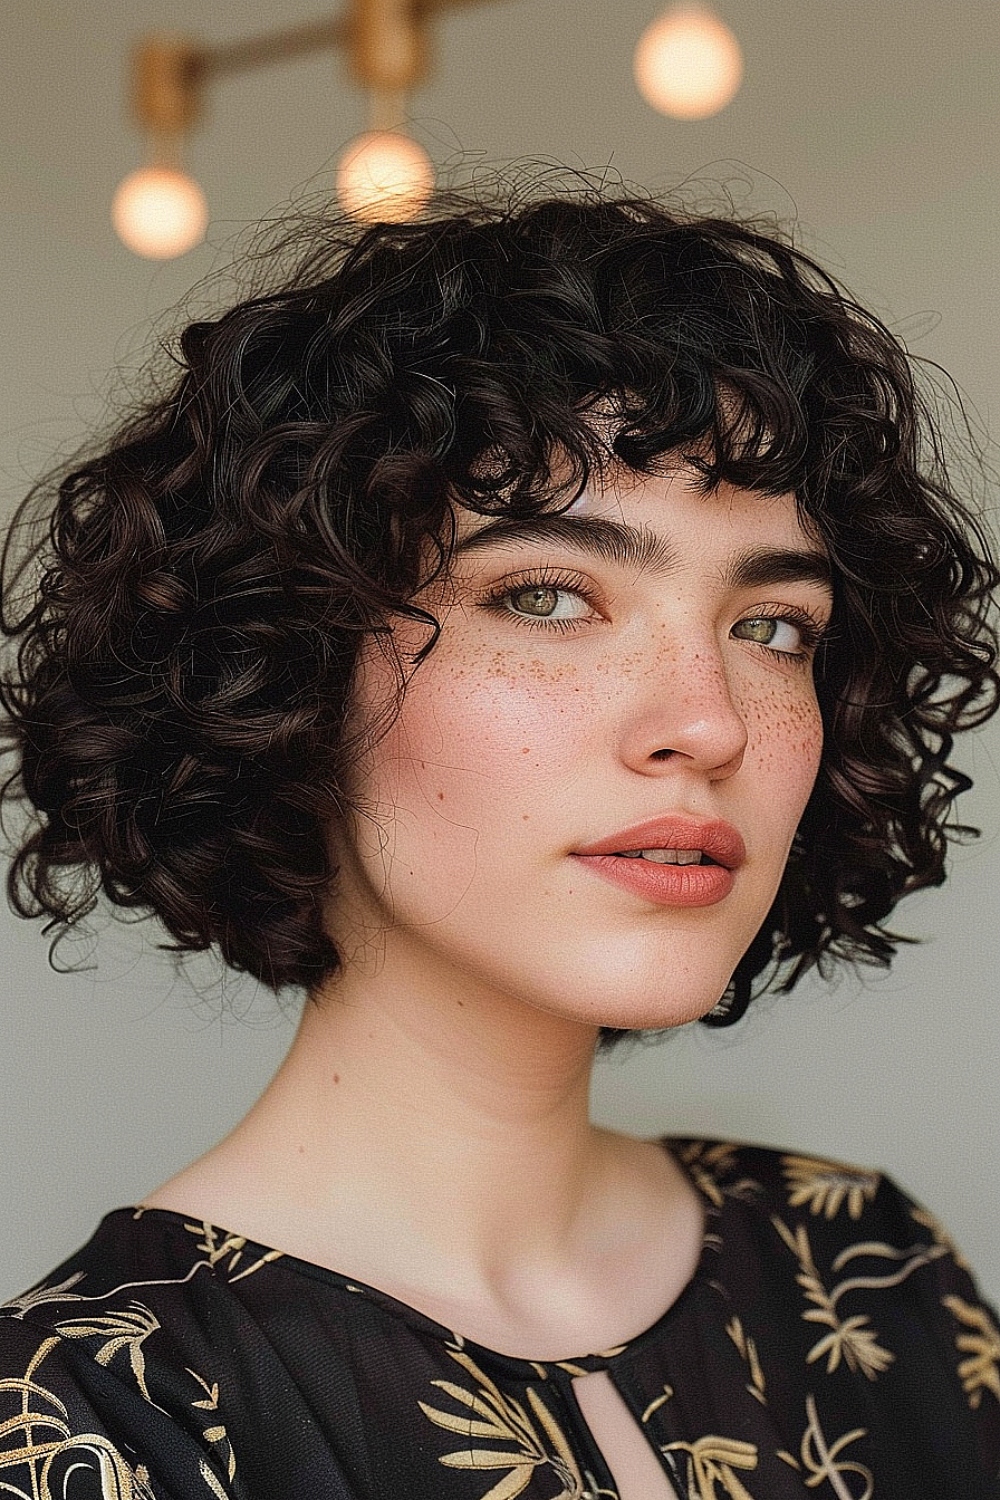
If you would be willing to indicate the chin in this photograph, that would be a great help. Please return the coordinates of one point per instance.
(663, 989)
(659, 1018)
(656, 1014)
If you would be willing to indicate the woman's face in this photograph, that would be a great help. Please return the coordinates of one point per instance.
(643, 658)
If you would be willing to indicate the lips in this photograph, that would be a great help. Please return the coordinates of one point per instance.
(718, 840)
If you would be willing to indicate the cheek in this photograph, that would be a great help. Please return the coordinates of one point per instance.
(787, 738)
(482, 735)
(473, 766)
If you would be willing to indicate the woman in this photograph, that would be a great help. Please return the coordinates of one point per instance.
(518, 629)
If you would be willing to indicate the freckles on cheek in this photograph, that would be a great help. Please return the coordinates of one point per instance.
(474, 730)
(516, 700)
(790, 736)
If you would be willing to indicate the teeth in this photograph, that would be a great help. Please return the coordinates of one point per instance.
(664, 856)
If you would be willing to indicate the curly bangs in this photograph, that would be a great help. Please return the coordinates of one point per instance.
(187, 641)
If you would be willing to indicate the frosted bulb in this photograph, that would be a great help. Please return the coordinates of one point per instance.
(688, 64)
(159, 212)
(384, 175)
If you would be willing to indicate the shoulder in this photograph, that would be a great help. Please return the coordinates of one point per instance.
(113, 1356)
(781, 1179)
(843, 1208)
(864, 1281)
(138, 1271)
(51, 1427)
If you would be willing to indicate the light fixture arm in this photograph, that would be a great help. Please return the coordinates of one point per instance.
(385, 40)
(159, 211)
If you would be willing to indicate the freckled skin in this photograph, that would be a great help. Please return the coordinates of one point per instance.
(539, 741)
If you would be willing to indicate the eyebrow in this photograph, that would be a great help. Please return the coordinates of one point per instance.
(648, 551)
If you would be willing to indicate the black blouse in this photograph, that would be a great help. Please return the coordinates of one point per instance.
(830, 1344)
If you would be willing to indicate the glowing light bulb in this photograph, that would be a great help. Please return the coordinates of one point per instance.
(688, 63)
(384, 175)
(159, 212)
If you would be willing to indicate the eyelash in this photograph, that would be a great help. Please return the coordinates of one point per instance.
(810, 629)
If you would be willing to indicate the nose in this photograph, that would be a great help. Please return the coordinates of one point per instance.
(686, 713)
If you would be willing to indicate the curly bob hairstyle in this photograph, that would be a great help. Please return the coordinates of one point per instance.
(204, 578)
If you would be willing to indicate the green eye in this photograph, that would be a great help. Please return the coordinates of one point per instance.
(551, 603)
(761, 631)
(540, 601)
(783, 636)
(543, 599)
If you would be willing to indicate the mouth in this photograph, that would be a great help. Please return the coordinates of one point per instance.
(674, 839)
(667, 856)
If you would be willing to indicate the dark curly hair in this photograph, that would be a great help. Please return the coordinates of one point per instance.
(186, 646)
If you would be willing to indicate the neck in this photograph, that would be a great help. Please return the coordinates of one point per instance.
(426, 1114)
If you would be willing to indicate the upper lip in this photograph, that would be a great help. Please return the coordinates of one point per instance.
(720, 841)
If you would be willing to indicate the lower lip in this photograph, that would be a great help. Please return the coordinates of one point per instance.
(666, 885)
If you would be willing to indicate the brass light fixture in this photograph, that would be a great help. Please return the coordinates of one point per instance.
(687, 64)
(159, 211)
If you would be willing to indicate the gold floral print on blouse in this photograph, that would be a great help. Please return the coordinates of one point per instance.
(712, 1462)
(38, 1446)
(831, 1345)
(821, 1459)
(825, 1185)
(850, 1338)
(538, 1440)
(979, 1340)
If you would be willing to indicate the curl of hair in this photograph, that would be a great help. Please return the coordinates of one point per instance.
(185, 652)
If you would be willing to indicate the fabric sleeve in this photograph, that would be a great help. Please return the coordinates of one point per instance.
(963, 1324)
(69, 1427)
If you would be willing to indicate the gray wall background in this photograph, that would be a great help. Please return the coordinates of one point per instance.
(875, 128)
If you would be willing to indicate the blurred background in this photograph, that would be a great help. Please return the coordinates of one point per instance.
(871, 129)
